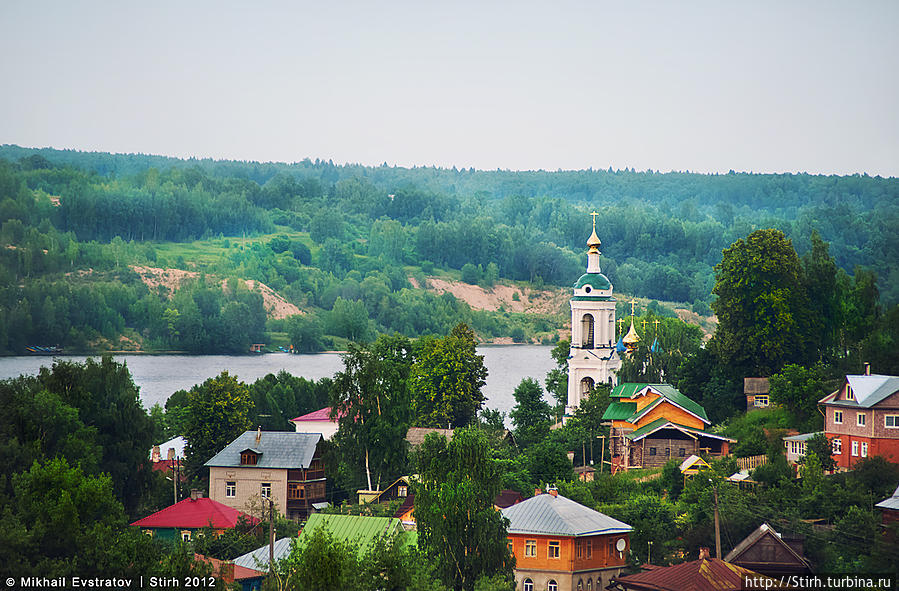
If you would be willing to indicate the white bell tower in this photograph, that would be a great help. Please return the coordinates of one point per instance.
(593, 358)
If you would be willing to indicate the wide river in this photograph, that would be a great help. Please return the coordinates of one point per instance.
(158, 376)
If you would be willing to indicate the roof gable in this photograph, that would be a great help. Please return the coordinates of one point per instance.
(276, 449)
(194, 514)
(764, 534)
(890, 503)
(666, 391)
(323, 414)
(352, 528)
(869, 390)
(258, 558)
(705, 574)
(548, 514)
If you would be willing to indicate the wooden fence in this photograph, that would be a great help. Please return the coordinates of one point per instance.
(752, 462)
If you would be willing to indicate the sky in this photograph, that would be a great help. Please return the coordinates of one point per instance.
(705, 86)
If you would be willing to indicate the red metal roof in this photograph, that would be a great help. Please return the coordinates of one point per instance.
(323, 414)
(228, 571)
(705, 574)
(193, 514)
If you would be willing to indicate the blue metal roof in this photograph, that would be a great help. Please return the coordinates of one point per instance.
(276, 449)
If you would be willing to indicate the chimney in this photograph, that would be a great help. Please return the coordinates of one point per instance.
(537, 492)
(258, 434)
(704, 554)
(170, 454)
(867, 368)
(154, 456)
(195, 494)
(552, 490)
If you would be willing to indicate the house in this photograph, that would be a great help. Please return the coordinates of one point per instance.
(358, 529)
(258, 562)
(398, 489)
(561, 545)
(318, 421)
(890, 506)
(705, 574)
(283, 466)
(795, 446)
(229, 572)
(406, 512)
(168, 457)
(861, 419)
(416, 435)
(652, 423)
(756, 391)
(769, 553)
(506, 498)
(184, 518)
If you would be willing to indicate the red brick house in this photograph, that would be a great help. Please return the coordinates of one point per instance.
(862, 419)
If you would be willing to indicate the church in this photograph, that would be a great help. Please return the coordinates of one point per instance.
(650, 423)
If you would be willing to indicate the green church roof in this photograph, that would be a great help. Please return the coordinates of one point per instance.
(594, 280)
(666, 391)
(619, 411)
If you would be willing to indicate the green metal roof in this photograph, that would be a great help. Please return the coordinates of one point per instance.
(667, 391)
(619, 411)
(594, 280)
(359, 529)
(646, 429)
(591, 298)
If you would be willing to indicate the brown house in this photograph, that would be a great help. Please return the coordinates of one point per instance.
(283, 466)
(890, 509)
(767, 552)
(756, 392)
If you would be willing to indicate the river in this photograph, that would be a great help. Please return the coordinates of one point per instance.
(158, 376)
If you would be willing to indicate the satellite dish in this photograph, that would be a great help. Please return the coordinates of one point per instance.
(620, 544)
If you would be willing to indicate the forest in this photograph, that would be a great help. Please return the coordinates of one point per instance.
(341, 242)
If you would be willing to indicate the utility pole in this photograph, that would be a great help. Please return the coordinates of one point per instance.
(602, 453)
(175, 478)
(271, 535)
(717, 528)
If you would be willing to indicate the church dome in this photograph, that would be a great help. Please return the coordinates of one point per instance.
(594, 280)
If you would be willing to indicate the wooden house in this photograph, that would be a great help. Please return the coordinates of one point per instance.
(398, 489)
(183, 519)
(561, 545)
(769, 553)
(889, 509)
(756, 391)
(653, 423)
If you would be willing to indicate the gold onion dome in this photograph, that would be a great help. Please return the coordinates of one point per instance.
(631, 338)
(593, 241)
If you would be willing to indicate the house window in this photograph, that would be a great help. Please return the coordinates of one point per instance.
(509, 546)
(530, 548)
(850, 395)
(295, 491)
(854, 448)
(589, 547)
(230, 489)
(552, 586)
(402, 491)
(837, 417)
(837, 446)
(793, 449)
(682, 452)
(248, 458)
(611, 547)
(864, 449)
(185, 535)
(761, 400)
(554, 549)
(266, 490)
(652, 451)
(667, 452)
(578, 549)
(891, 421)
(528, 585)
(860, 419)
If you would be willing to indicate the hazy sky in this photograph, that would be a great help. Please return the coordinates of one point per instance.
(671, 85)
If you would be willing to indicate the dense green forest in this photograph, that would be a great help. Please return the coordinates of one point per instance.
(340, 241)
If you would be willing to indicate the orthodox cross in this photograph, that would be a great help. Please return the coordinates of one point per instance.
(644, 325)
(594, 214)
(656, 322)
(620, 323)
(633, 303)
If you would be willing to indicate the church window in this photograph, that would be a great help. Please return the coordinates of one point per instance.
(587, 331)
(586, 386)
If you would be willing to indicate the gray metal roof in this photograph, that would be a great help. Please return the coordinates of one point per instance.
(802, 436)
(869, 390)
(890, 503)
(556, 515)
(277, 449)
(258, 558)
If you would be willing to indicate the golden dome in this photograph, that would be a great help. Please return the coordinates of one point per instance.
(593, 240)
(631, 338)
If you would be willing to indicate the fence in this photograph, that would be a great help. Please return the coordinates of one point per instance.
(752, 462)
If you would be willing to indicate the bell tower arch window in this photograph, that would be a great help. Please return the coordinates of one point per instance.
(587, 385)
(587, 326)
